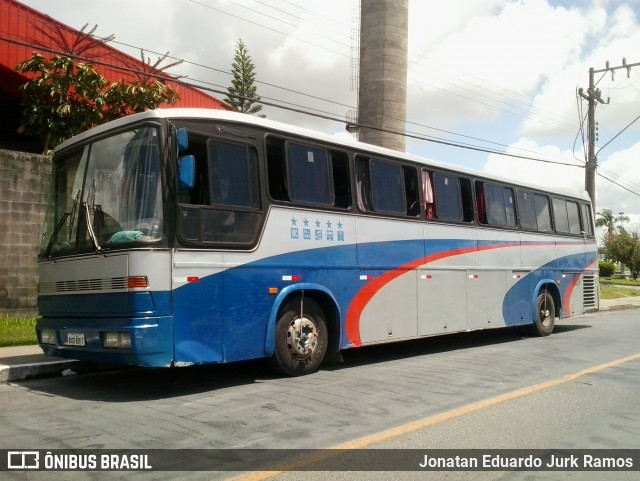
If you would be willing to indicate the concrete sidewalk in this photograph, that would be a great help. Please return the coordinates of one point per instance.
(21, 362)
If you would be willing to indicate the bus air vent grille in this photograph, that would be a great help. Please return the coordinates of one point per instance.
(83, 285)
(589, 296)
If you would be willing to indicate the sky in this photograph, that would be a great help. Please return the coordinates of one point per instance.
(499, 75)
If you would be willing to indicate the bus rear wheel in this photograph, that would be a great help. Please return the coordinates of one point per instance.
(545, 315)
(301, 338)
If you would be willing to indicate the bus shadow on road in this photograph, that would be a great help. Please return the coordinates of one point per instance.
(116, 385)
(437, 344)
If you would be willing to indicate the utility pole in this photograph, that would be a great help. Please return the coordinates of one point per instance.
(594, 96)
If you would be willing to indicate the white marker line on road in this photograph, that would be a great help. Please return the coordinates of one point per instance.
(407, 428)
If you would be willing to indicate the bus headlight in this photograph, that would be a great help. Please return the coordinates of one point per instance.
(48, 336)
(117, 340)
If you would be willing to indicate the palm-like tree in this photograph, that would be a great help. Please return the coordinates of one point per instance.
(607, 220)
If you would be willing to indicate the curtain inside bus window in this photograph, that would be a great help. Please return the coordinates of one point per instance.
(363, 184)
(309, 174)
(427, 193)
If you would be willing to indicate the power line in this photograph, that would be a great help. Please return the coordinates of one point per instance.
(298, 108)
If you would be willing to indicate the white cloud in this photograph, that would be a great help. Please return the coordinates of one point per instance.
(501, 70)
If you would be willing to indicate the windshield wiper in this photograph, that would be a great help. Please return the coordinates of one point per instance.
(92, 234)
(59, 225)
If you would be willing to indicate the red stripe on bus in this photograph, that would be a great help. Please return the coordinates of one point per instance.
(364, 295)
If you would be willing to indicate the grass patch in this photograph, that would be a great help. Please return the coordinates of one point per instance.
(17, 331)
(619, 282)
(616, 292)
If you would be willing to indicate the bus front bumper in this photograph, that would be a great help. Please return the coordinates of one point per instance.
(144, 341)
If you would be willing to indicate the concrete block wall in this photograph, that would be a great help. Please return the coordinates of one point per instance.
(24, 180)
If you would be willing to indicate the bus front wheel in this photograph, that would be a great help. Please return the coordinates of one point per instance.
(545, 315)
(300, 338)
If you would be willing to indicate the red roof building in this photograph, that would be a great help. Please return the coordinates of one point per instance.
(24, 30)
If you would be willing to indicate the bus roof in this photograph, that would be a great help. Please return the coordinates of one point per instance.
(215, 114)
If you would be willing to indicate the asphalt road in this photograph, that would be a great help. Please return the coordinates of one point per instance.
(577, 389)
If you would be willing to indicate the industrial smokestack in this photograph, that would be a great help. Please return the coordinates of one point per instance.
(382, 90)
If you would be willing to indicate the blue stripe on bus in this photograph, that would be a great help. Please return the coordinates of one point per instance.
(241, 291)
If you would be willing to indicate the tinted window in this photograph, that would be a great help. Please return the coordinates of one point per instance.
(527, 210)
(560, 215)
(387, 185)
(233, 179)
(543, 215)
(309, 174)
(574, 218)
(447, 197)
(534, 211)
(499, 206)
(587, 221)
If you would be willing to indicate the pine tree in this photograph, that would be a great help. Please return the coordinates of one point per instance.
(242, 93)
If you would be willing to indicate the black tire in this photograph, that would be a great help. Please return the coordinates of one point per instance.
(545, 315)
(300, 340)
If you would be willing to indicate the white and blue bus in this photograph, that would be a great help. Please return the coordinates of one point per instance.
(186, 236)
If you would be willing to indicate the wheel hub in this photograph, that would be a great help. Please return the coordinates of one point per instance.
(545, 315)
(302, 337)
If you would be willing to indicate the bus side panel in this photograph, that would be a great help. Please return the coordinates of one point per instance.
(564, 280)
(389, 269)
(498, 252)
(197, 301)
(442, 298)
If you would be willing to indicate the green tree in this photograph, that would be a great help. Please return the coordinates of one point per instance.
(66, 97)
(624, 247)
(607, 220)
(242, 93)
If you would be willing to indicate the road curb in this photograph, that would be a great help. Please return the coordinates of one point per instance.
(619, 307)
(23, 371)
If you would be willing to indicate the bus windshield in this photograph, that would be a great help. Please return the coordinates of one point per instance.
(105, 195)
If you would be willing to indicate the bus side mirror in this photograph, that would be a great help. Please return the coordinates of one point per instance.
(187, 171)
(182, 139)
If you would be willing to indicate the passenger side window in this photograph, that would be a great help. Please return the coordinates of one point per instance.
(448, 201)
(496, 204)
(234, 174)
(307, 174)
(387, 188)
(223, 207)
(587, 220)
(567, 216)
(534, 211)
(447, 197)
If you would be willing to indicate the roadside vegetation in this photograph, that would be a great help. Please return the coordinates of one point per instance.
(17, 331)
(617, 287)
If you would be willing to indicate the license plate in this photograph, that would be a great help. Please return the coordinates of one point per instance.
(75, 339)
